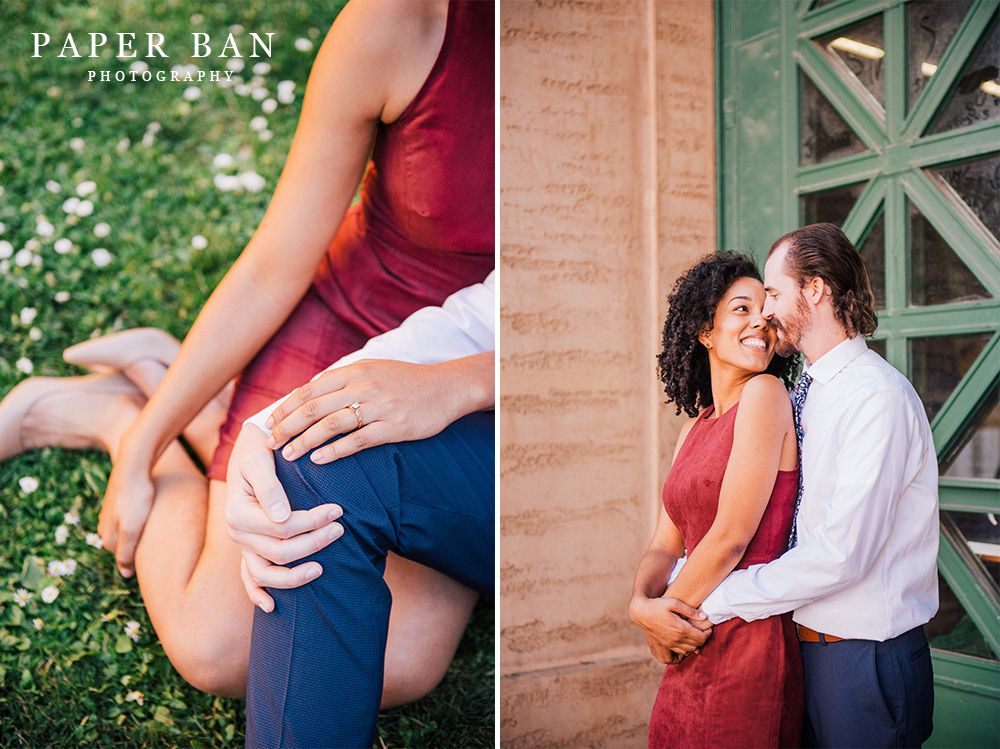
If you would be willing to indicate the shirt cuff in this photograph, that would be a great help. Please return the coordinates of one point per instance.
(715, 608)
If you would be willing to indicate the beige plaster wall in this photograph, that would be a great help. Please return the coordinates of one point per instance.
(606, 162)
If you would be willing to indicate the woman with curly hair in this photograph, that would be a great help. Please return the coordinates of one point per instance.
(728, 503)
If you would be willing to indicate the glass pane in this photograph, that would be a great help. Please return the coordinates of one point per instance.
(979, 457)
(978, 184)
(878, 347)
(938, 364)
(821, 3)
(831, 206)
(862, 49)
(937, 275)
(952, 629)
(930, 27)
(977, 97)
(873, 253)
(825, 135)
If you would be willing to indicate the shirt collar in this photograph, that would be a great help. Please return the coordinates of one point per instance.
(829, 364)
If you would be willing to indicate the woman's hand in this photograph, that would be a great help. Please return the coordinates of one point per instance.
(673, 629)
(393, 402)
(126, 506)
(262, 525)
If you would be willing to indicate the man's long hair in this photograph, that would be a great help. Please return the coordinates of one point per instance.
(824, 250)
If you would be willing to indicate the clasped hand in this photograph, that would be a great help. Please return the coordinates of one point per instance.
(673, 629)
(398, 402)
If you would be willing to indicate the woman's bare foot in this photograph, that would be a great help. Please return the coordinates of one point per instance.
(116, 351)
(72, 412)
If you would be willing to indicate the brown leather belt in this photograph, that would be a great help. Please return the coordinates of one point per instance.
(811, 635)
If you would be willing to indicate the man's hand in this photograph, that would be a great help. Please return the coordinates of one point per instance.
(673, 629)
(262, 525)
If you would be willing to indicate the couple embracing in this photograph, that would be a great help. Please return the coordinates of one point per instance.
(798, 534)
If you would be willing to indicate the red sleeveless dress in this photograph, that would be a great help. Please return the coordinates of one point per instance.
(422, 230)
(745, 687)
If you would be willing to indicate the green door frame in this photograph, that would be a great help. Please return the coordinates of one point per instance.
(762, 45)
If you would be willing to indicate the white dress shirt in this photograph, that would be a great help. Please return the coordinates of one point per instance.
(462, 326)
(865, 563)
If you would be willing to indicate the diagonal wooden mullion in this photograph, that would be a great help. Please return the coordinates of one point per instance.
(958, 226)
(966, 398)
(958, 318)
(970, 142)
(951, 65)
(970, 582)
(844, 95)
(969, 495)
(838, 15)
(830, 175)
(863, 212)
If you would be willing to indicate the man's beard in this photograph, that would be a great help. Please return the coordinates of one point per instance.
(791, 328)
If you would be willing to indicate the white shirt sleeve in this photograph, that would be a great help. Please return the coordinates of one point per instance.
(872, 468)
(464, 325)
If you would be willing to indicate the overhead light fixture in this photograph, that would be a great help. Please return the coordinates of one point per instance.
(857, 48)
(927, 69)
(990, 87)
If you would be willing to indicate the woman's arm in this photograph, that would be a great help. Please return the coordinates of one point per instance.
(377, 54)
(763, 437)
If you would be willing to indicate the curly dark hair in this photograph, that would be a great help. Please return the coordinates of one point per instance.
(824, 250)
(683, 363)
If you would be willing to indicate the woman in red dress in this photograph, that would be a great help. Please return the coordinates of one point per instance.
(728, 502)
(411, 85)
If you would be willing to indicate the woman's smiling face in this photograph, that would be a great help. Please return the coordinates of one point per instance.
(740, 336)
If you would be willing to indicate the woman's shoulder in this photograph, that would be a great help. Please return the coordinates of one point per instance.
(765, 395)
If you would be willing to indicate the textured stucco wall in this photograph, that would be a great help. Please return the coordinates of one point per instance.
(606, 170)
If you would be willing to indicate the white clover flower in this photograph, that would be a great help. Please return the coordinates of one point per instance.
(286, 85)
(85, 208)
(132, 630)
(196, 19)
(222, 161)
(85, 188)
(61, 296)
(36, 260)
(101, 257)
(70, 205)
(139, 66)
(191, 93)
(35, 334)
(21, 597)
(62, 246)
(262, 68)
(50, 594)
(38, 623)
(252, 181)
(102, 230)
(70, 566)
(199, 242)
(44, 229)
(77, 144)
(258, 93)
(53, 186)
(33, 244)
(28, 315)
(242, 89)
(54, 91)
(3, 227)
(94, 540)
(234, 64)
(286, 96)
(2, 191)
(4, 267)
(236, 28)
(28, 484)
(269, 105)
(56, 568)
(76, 122)
(23, 258)
(154, 127)
(123, 145)
(148, 139)
(6, 248)
(72, 518)
(62, 533)
(303, 45)
(24, 366)
(265, 135)
(226, 182)
(258, 123)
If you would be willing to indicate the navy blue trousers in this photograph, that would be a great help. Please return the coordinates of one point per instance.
(862, 693)
(316, 661)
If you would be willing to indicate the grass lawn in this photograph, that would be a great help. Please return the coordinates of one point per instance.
(121, 205)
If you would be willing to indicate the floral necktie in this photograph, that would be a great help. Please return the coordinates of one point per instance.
(798, 400)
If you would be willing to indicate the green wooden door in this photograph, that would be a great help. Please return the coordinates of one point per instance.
(883, 116)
